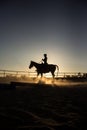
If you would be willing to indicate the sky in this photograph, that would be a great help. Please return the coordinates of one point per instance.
(30, 28)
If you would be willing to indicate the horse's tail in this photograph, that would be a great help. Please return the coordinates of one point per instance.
(57, 69)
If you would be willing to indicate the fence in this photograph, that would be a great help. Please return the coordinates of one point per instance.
(4, 73)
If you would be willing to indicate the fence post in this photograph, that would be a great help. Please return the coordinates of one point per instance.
(4, 73)
(16, 73)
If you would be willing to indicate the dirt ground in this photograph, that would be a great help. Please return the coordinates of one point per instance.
(44, 107)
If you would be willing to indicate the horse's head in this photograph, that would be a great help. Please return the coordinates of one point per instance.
(31, 65)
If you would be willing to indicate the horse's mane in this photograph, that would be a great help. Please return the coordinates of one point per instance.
(35, 62)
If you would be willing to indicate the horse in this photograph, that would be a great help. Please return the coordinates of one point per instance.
(44, 68)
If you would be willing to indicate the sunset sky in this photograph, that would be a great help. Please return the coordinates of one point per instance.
(30, 28)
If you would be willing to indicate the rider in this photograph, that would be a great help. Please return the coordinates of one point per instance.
(45, 59)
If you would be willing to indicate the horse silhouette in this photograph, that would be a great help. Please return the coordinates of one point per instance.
(44, 68)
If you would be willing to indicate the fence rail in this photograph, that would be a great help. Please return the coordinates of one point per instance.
(4, 73)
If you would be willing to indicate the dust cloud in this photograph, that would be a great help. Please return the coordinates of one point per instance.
(56, 82)
(59, 82)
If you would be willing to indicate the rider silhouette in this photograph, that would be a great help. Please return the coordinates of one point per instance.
(45, 59)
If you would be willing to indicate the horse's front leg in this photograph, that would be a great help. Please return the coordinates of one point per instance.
(41, 75)
(37, 74)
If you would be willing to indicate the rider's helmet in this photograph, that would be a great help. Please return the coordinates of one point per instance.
(45, 55)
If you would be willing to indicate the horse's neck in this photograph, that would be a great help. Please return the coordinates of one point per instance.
(35, 64)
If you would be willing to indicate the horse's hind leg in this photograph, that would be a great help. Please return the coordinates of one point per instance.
(53, 75)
